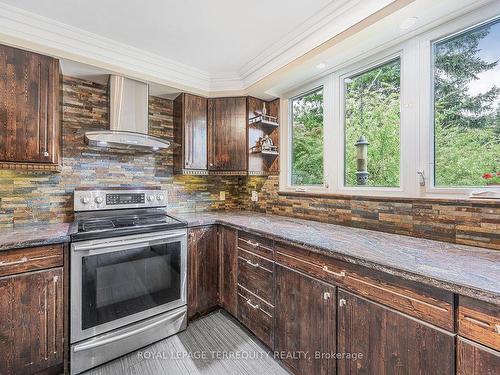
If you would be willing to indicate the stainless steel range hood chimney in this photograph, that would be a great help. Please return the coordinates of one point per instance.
(128, 119)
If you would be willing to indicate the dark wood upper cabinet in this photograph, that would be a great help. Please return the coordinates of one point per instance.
(190, 133)
(475, 359)
(227, 134)
(203, 270)
(305, 322)
(30, 128)
(390, 342)
(228, 270)
(31, 322)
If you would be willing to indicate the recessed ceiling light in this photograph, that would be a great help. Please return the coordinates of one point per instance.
(320, 65)
(407, 23)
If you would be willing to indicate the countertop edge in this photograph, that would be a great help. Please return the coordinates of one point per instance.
(450, 286)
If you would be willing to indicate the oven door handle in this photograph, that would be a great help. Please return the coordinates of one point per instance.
(97, 343)
(144, 241)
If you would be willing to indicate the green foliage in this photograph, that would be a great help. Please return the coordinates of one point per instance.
(466, 126)
(372, 110)
(307, 141)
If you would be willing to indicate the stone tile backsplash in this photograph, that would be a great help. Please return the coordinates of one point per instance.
(27, 197)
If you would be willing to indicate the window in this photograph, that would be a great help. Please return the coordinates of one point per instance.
(307, 139)
(415, 116)
(467, 108)
(371, 120)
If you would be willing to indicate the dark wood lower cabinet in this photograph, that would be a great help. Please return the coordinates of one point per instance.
(203, 270)
(475, 359)
(31, 322)
(305, 325)
(390, 342)
(228, 270)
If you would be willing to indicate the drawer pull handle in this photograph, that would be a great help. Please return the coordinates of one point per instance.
(497, 328)
(252, 305)
(252, 264)
(254, 244)
(22, 260)
(339, 274)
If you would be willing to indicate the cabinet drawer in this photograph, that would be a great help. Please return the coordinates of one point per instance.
(479, 321)
(29, 259)
(426, 303)
(255, 244)
(256, 274)
(257, 315)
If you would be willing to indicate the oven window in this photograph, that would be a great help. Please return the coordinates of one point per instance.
(122, 283)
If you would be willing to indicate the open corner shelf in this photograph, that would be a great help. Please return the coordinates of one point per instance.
(266, 121)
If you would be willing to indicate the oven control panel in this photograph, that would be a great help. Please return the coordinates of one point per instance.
(109, 199)
(121, 198)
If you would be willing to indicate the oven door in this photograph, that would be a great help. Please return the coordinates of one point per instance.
(118, 281)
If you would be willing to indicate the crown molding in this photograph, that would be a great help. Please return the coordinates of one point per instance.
(28, 30)
(334, 18)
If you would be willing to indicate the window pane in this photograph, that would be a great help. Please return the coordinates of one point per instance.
(307, 139)
(467, 108)
(372, 115)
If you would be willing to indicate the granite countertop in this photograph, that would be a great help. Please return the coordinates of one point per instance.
(34, 235)
(466, 270)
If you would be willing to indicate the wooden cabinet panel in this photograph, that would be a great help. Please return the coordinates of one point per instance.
(227, 145)
(30, 128)
(228, 270)
(203, 270)
(305, 322)
(390, 342)
(423, 302)
(23, 260)
(259, 245)
(256, 274)
(31, 321)
(190, 132)
(479, 321)
(475, 359)
(257, 315)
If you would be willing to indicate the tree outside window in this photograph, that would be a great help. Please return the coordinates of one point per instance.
(467, 107)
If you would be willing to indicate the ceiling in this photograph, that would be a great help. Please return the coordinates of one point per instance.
(217, 36)
(206, 46)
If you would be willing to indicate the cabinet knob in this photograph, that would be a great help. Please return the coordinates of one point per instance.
(497, 328)
(326, 295)
(342, 302)
(45, 153)
(211, 164)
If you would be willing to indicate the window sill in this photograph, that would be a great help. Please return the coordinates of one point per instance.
(475, 201)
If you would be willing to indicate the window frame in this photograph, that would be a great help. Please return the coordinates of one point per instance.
(426, 42)
(417, 112)
(286, 138)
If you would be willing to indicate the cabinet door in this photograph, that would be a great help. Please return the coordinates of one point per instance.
(31, 321)
(390, 342)
(227, 144)
(195, 132)
(203, 270)
(475, 359)
(229, 271)
(29, 107)
(305, 322)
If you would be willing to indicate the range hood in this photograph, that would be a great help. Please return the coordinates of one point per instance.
(128, 119)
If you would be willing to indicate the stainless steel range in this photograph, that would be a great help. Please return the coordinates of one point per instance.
(128, 274)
